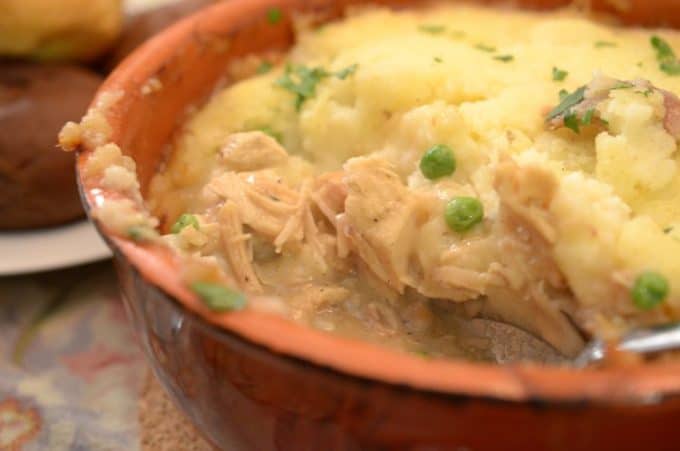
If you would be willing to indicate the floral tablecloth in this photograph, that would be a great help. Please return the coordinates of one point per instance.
(70, 369)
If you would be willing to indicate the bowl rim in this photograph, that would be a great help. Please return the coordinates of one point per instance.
(516, 382)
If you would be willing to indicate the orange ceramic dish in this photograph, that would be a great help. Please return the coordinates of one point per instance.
(301, 388)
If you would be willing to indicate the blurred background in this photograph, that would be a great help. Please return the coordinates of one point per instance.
(71, 373)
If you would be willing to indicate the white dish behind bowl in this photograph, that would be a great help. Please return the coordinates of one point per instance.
(139, 6)
(23, 252)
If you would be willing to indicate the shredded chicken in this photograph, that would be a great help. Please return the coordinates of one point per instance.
(672, 118)
(381, 219)
(265, 205)
(527, 192)
(236, 247)
(364, 224)
(525, 237)
(250, 151)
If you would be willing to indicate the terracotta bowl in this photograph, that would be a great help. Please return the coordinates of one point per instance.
(253, 381)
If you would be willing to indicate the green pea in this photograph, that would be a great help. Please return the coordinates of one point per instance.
(463, 213)
(219, 298)
(184, 221)
(438, 162)
(649, 290)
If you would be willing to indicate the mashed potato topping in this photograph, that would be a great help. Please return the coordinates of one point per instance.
(309, 180)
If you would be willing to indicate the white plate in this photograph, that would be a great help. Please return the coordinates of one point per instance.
(140, 6)
(45, 249)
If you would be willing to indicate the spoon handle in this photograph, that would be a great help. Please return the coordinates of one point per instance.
(641, 341)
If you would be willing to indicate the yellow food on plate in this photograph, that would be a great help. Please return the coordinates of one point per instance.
(403, 171)
(58, 30)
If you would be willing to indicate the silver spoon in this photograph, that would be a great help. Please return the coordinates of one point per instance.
(641, 341)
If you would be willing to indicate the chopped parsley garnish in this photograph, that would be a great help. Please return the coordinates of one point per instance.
(183, 221)
(562, 94)
(663, 49)
(588, 117)
(274, 15)
(438, 59)
(271, 132)
(141, 233)
(670, 67)
(485, 48)
(668, 230)
(622, 85)
(136, 233)
(346, 72)
(302, 81)
(571, 122)
(504, 58)
(602, 44)
(264, 67)
(432, 29)
(559, 74)
(665, 55)
(217, 297)
(649, 290)
(567, 103)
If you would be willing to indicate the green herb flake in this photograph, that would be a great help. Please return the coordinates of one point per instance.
(665, 56)
(274, 15)
(438, 59)
(562, 94)
(504, 58)
(622, 85)
(264, 67)
(668, 230)
(141, 233)
(423, 353)
(588, 117)
(346, 72)
(485, 48)
(432, 28)
(567, 103)
(183, 221)
(219, 298)
(571, 122)
(302, 81)
(603, 44)
(559, 74)
(267, 130)
(670, 67)
(136, 233)
(663, 49)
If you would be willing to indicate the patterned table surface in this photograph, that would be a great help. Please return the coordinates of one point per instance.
(70, 369)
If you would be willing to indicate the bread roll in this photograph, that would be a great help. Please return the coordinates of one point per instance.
(50, 30)
(37, 181)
